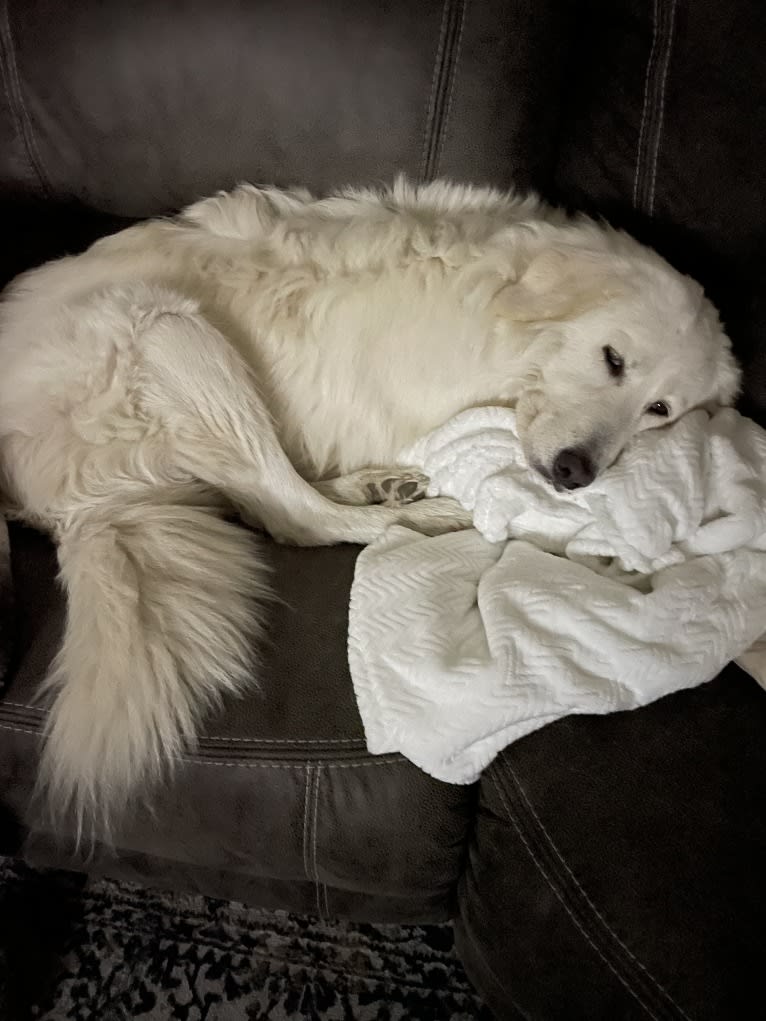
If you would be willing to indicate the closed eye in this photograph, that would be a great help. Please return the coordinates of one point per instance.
(614, 362)
(659, 408)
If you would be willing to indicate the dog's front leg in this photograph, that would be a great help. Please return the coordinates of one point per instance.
(391, 487)
(217, 429)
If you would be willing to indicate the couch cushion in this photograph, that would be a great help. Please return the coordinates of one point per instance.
(281, 804)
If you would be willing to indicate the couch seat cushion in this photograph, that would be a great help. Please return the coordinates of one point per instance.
(281, 804)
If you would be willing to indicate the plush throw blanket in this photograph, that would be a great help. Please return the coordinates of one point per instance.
(605, 598)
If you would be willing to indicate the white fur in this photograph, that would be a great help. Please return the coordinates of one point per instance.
(261, 341)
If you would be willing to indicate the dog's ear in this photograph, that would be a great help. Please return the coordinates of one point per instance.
(728, 379)
(557, 284)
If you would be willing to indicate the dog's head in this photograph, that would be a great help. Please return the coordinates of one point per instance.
(619, 342)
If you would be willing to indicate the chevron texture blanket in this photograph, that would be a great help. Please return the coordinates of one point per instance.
(648, 581)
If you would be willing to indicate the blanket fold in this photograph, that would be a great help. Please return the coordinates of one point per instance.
(648, 581)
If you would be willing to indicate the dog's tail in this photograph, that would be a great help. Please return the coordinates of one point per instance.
(163, 611)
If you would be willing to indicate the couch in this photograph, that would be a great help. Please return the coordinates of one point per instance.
(604, 867)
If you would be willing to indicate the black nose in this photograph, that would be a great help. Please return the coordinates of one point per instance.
(573, 469)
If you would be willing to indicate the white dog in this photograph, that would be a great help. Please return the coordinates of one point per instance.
(236, 356)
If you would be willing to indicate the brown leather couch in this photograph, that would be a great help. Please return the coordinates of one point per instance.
(604, 867)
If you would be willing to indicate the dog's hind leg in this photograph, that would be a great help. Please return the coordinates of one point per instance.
(221, 433)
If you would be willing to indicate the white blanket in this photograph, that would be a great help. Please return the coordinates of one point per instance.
(648, 581)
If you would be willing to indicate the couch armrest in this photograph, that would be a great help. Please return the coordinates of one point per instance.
(616, 868)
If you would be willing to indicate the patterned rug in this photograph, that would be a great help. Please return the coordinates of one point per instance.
(110, 951)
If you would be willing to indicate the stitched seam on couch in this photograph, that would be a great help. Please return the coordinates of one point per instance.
(24, 716)
(442, 87)
(321, 888)
(393, 760)
(653, 112)
(590, 922)
(538, 821)
(310, 826)
(347, 745)
(379, 760)
(309, 776)
(13, 91)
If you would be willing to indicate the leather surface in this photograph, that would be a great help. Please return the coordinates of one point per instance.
(616, 868)
(140, 108)
(35, 231)
(664, 131)
(281, 804)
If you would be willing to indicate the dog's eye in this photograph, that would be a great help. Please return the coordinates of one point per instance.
(658, 408)
(615, 362)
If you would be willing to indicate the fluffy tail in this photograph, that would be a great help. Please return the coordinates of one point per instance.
(161, 622)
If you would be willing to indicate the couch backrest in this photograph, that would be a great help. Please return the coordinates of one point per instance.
(137, 107)
(653, 113)
(664, 131)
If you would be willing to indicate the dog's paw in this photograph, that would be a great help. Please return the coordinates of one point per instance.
(386, 487)
(395, 489)
(436, 516)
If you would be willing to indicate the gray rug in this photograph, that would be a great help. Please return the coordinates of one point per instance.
(110, 951)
